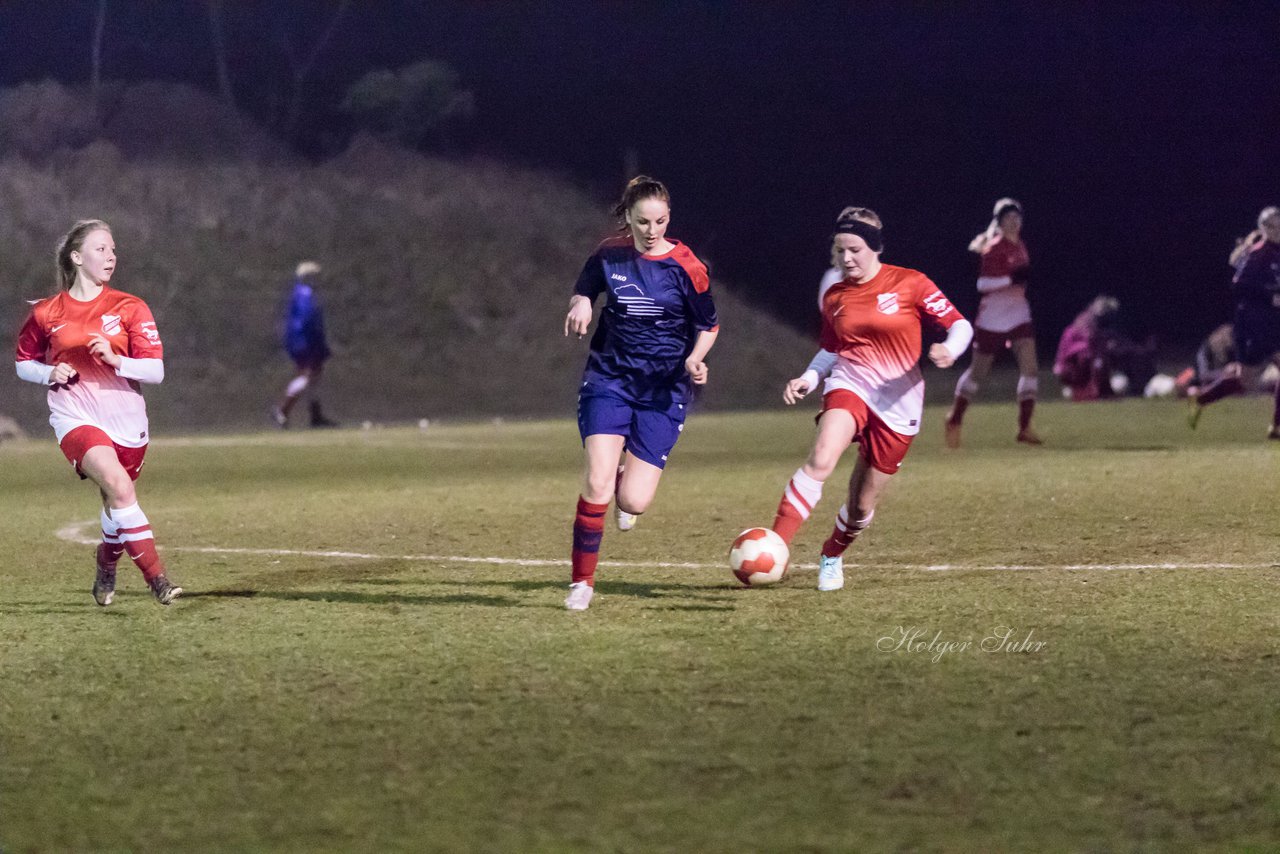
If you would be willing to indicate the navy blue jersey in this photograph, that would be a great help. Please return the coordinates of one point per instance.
(304, 324)
(1257, 282)
(656, 307)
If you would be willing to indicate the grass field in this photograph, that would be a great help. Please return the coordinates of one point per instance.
(424, 691)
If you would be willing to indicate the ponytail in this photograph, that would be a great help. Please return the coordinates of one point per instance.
(71, 242)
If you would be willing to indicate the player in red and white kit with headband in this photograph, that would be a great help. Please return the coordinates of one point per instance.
(874, 394)
(1004, 320)
(92, 345)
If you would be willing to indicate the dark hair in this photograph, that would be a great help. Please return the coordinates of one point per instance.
(638, 189)
(71, 242)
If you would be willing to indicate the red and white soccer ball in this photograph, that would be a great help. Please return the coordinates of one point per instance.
(759, 557)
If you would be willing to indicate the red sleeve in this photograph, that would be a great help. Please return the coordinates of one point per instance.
(995, 261)
(33, 343)
(933, 305)
(144, 338)
(827, 338)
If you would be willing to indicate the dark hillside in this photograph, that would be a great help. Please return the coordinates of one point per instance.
(446, 283)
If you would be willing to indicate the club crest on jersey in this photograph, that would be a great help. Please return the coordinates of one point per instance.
(111, 323)
(887, 303)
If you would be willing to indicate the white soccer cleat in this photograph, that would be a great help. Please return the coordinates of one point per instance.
(579, 598)
(831, 573)
(626, 521)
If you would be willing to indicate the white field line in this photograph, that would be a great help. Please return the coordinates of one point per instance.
(75, 533)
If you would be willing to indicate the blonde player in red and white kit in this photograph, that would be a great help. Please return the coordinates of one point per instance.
(92, 345)
(1004, 320)
(874, 393)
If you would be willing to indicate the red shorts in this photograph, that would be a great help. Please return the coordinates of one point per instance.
(986, 341)
(883, 448)
(75, 444)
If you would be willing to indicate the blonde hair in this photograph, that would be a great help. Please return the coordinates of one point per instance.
(1245, 245)
(983, 239)
(71, 242)
(306, 268)
(866, 215)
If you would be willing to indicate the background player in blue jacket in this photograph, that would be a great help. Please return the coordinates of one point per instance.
(304, 340)
(656, 327)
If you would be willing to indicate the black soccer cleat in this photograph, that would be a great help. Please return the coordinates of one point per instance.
(164, 590)
(104, 585)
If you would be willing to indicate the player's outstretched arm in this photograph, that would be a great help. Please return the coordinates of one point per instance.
(819, 369)
(578, 320)
(795, 390)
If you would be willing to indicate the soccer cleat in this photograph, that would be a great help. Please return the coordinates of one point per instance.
(831, 573)
(1029, 437)
(1274, 432)
(164, 590)
(104, 585)
(318, 418)
(279, 418)
(1193, 412)
(952, 435)
(626, 521)
(579, 598)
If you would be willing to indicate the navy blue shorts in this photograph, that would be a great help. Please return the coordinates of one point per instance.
(1257, 332)
(650, 433)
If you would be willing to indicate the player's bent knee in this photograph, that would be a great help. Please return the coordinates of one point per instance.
(120, 491)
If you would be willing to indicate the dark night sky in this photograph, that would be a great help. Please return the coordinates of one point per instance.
(1141, 137)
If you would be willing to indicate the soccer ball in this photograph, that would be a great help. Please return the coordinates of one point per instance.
(758, 557)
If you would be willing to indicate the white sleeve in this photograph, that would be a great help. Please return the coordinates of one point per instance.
(819, 368)
(142, 370)
(33, 371)
(958, 338)
(993, 283)
(829, 278)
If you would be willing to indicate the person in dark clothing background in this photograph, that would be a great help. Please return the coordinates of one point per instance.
(305, 342)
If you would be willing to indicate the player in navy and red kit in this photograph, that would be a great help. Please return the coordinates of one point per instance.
(92, 345)
(656, 328)
(1256, 288)
(1004, 320)
(874, 393)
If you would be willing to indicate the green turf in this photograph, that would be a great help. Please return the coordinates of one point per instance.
(304, 703)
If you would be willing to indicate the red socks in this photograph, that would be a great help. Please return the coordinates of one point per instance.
(134, 531)
(1220, 389)
(844, 533)
(1025, 409)
(798, 499)
(588, 531)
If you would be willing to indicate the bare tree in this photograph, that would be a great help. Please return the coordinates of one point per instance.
(99, 26)
(219, 51)
(302, 66)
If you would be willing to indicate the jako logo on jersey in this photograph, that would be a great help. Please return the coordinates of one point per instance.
(937, 304)
(887, 303)
(111, 323)
(618, 276)
(149, 329)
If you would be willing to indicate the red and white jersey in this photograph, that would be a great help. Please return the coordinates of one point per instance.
(58, 330)
(1002, 307)
(876, 330)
